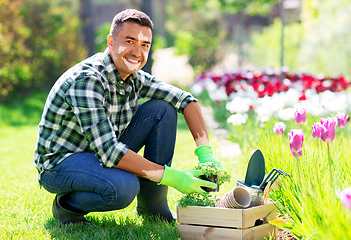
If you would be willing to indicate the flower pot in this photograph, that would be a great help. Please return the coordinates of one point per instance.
(236, 198)
(256, 194)
(211, 178)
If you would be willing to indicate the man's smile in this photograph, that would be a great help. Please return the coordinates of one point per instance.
(132, 60)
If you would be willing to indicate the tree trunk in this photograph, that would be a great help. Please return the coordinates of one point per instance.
(241, 36)
(146, 7)
(88, 31)
(282, 39)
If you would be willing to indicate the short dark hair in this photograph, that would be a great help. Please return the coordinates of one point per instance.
(130, 15)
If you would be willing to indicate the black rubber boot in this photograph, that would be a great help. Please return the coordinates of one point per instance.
(152, 201)
(66, 216)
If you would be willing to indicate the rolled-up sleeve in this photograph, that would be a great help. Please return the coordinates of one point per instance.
(86, 98)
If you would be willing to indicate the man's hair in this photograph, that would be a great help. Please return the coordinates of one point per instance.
(130, 15)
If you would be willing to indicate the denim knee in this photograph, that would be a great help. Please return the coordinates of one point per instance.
(124, 193)
(168, 110)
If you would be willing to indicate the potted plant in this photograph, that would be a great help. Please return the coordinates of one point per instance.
(211, 173)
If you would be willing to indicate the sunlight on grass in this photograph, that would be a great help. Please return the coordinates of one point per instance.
(25, 210)
(312, 202)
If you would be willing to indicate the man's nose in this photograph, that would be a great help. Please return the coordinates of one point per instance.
(137, 50)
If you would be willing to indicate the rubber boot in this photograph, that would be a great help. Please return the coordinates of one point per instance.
(66, 216)
(152, 201)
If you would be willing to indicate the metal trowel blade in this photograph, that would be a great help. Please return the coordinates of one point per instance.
(255, 169)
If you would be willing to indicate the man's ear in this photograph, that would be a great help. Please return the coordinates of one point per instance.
(109, 41)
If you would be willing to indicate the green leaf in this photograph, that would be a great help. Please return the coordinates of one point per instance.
(283, 223)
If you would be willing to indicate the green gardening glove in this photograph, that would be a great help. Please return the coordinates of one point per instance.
(185, 181)
(204, 154)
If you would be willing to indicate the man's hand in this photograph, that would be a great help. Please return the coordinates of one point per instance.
(185, 181)
(204, 154)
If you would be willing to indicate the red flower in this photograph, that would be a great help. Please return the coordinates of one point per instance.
(229, 90)
(256, 86)
(286, 87)
(261, 94)
(320, 88)
(303, 96)
(270, 90)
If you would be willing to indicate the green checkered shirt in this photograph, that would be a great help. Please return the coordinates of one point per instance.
(90, 106)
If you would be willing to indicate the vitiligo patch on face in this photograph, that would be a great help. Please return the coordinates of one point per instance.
(132, 66)
(141, 37)
(121, 49)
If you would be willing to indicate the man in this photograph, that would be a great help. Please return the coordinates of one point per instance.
(93, 126)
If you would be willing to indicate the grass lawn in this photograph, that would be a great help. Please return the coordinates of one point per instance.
(25, 210)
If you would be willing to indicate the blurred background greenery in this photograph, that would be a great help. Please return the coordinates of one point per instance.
(40, 39)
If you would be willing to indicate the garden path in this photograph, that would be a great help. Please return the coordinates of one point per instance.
(228, 148)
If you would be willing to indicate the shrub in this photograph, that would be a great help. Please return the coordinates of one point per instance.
(40, 40)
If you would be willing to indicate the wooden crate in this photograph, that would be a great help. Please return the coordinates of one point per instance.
(225, 223)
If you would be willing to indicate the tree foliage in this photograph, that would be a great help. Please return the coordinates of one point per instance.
(265, 48)
(13, 51)
(326, 43)
(205, 27)
(39, 40)
(196, 32)
(320, 43)
(250, 6)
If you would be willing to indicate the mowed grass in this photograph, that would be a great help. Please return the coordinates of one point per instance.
(25, 210)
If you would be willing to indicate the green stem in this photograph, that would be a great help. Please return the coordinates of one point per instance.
(330, 163)
(298, 171)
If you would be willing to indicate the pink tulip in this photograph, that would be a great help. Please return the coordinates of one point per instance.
(296, 140)
(328, 129)
(316, 130)
(279, 128)
(300, 115)
(345, 198)
(342, 119)
(296, 154)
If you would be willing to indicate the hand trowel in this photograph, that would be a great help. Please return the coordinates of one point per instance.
(255, 181)
(255, 170)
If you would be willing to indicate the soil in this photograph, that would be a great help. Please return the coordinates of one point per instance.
(283, 235)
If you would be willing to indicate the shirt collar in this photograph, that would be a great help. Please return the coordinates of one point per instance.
(113, 75)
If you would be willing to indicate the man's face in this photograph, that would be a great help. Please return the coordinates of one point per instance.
(130, 48)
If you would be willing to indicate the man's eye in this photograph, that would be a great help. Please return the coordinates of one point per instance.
(129, 41)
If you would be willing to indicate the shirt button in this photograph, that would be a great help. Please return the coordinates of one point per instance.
(121, 83)
(121, 92)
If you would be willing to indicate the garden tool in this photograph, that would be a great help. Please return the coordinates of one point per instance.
(254, 176)
(255, 180)
(272, 177)
(255, 170)
(266, 192)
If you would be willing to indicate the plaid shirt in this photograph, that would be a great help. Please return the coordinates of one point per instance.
(90, 106)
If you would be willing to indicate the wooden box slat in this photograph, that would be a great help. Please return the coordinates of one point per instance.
(250, 215)
(225, 217)
(192, 232)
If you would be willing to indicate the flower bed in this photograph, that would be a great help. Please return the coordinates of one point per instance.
(316, 200)
(268, 95)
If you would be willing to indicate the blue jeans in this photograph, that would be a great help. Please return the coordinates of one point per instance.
(89, 187)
